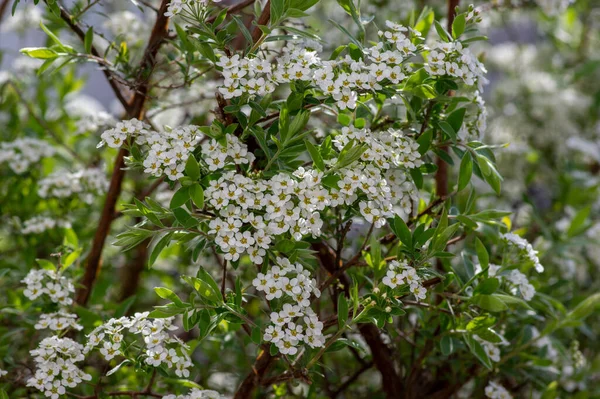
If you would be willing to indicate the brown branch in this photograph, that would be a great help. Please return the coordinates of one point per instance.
(351, 380)
(263, 19)
(135, 109)
(382, 356)
(254, 378)
(3, 8)
(232, 9)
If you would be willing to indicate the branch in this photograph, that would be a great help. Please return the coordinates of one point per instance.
(68, 18)
(351, 380)
(382, 356)
(232, 9)
(135, 109)
(254, 378)
(264, 18)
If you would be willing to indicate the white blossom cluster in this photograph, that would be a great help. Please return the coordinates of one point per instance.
(51, 283)
(58, 321)
(3, 373)
(452, 59)
(160, 348)
(86, 184)
(475, 123)
(294, 323)
(90, 116)
(496, 391)
(21, 153)
(343, 79)
(196, 393)
(388, 189)
(39, 224)
(167, 152)
(216, 156)
(176, 6)
(56, 367)
(517, 278)
(525, 247)
(401, 273)
(492, 349)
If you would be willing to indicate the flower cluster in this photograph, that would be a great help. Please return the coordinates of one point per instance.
(58, 321)
(56, 370)
(216, 156)
(297, 322)
(24, 152)
(381, 176)
(39, 224)
(167, 152)
(342, 79)
(90, 116)
(496, 391)
(160, 347)
(197, 394)
(401, 273)
(525, 247)
(452, 59)
(86, 184)
(176, 6)
(51, 283)
(491, 349)
(517, 278)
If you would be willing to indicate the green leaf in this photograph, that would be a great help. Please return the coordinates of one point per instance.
(344, 119)
(42, 53)
(487, 286)
(117, 367)
(124, 307)
(158, 243)
(206, 277)
(192, 169)
(447, 128)
(243, 28)
(180, 197)
(458, 26)
(482, 254)
(466, 171)
(302, 4)
(54, 38)
(342, 309)
(441, 31)
(480, 323)
(197, 195)
(256, 335)
(578, 222)
(489, 302)
(447, 345)
(513, 300)
(402, 231)
(277, 11)
(455, 119)
(585, 308)
(466, 221)
(166, 293)
(88, 40)
(478, 351)
(315, 155)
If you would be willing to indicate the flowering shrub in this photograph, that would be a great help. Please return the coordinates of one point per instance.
(323, 213)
